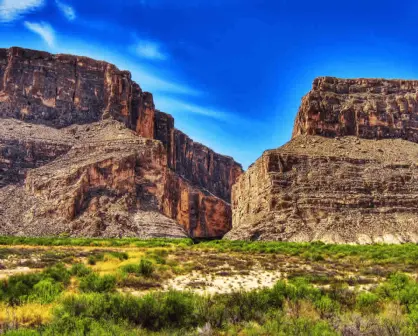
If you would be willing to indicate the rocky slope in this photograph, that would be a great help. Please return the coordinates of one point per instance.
(85, 148)
(334, 181)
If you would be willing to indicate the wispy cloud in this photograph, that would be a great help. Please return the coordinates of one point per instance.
(43, 29)
(150, 77)
(155, 83)
(149, 50)
(178, 106)
(67, 10)
(11, 10)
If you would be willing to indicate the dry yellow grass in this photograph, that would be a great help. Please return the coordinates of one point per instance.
(28, 315)
(111, 264)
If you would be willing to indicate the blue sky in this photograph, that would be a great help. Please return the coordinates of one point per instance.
(231, 72)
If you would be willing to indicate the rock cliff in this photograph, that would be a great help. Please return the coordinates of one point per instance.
(84, 145)
(367, 108)
(335, 181)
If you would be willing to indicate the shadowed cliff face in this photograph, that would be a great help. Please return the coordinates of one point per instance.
(367, 108)
(347, 176)
(63, 90)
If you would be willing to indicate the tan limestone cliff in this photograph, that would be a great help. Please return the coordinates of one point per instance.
(349, 174)
(83, 173)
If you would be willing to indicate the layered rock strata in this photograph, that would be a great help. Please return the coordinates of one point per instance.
(328, 185)
(62, 90)
(100, 177)
(367, 108)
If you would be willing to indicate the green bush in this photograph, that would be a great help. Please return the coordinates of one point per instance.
(367, 303)
(305, 327)
(80, 270)
(98, 284)
(91, 260)
(46, 291)
(145, 268)
(58, 273)
(119, 255)
(326, 306)
(152, 311)
(42, 287)
(17, 288)
(94, 258)
(130, 269)
(402, 288)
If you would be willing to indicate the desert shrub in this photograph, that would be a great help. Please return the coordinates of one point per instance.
(46, 291)
(300, 289)
(402, 288)
(130, 268)
(326, 306)
(305, 327)
(16, 289)
(58, 273)
(91, 260)
(145, 268)
(20, 289)
(158, 259)
(119, 255)
(244, 306)
(96, 283)
(152, 311)
(158, 255)
(75, 326)
(94, 258)
(80, 270)
(172, 310)
(343, 295)
(41, 287)
(278, 294)
(367, 303)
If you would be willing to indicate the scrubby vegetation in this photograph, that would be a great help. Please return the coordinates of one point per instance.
(106, 290)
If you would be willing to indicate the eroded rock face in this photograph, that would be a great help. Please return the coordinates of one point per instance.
(367, 108)
(62, 90)
(344, 190)
(196, 162)
(201, 214)
(21, 149)
(110, 183)
(349, 174)
(100, 182)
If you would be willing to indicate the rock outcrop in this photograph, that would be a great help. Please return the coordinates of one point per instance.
(334, 181)
(367, 108)
(84, 145)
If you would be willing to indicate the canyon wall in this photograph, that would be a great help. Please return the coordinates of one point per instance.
(349, 174)
(367, 108)
(54, 93)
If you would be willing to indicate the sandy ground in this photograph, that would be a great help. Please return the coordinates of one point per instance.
(224, 283)
(19, 270)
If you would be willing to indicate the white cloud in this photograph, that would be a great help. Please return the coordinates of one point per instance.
(150, 81)
(44, 30)
(67, 10)
(150, 50)
(170, 105)
(11, 10)
(179, 107)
